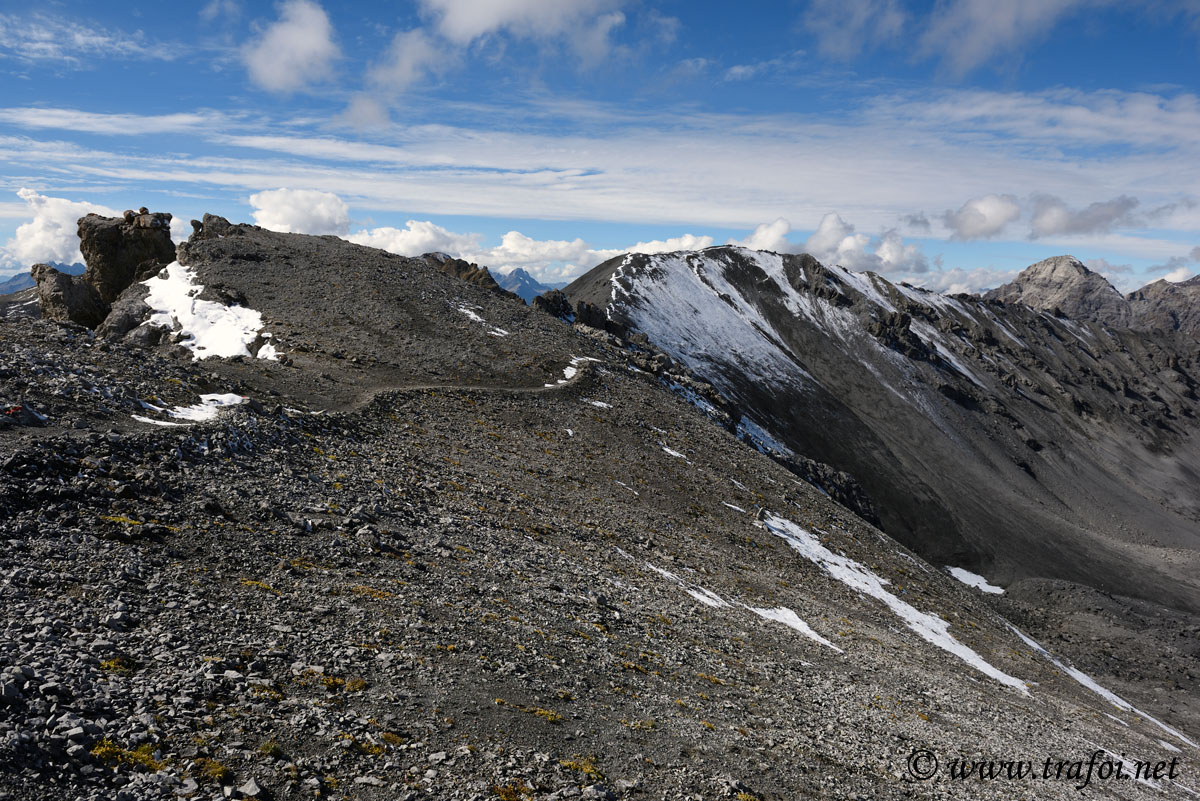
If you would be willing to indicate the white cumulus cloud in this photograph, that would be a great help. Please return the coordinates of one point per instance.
(301, 211)
(417, 238)
(181, 229)
(294, 51)
(836, 242)
(52, 234)
(982, 217)
(672, 244)
(895, 255)
(768, 236)
(958, 280)
(410, 57)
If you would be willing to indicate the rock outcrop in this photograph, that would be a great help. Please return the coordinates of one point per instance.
(119, 251)
(464, 270)
(67, 298)
(1163, 306)
(555, 303)
(1063, 285)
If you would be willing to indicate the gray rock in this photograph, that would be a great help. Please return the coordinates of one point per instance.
(1164, 306)
(67, 298)
(127, 313)
(250, 789)
(119, 251)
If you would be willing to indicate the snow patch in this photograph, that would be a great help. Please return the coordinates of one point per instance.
(702, 595)
(494, 331)
(209, 328)
(975, 580)
(572, 369)
(758, 436)
(209, 407)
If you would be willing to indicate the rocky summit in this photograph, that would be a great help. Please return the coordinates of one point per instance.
(303, 519)
(1063, 285)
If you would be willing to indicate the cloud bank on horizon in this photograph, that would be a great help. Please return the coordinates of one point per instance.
(948, 145)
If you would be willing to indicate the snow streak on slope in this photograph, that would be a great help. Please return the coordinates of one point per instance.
(493, 330)
(1106, 694)
(702, 307)
(781, 614)
(930, 627)
(210, 328)
(706, 597)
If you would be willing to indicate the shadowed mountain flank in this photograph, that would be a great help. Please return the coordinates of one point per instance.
(988, 434)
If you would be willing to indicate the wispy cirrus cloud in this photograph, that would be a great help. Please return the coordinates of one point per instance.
(114, 124)
(464, 21)
(966, 34)
(40, 38)
(846, 28)
(963, 36)
(1058, 119)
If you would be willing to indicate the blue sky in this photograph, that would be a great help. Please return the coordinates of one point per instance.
(945, 143)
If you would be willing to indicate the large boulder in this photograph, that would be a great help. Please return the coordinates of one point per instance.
(121, 250)
(67, 298)
(127, 313)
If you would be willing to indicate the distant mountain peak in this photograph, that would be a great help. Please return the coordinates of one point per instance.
(1064, 284)
(520, 282)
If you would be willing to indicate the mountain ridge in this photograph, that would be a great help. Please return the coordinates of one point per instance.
(816, 356)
